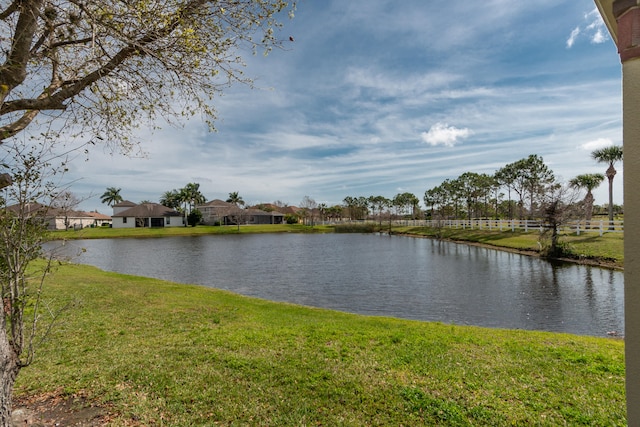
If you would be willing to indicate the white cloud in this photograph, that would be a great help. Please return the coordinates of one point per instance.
(594, 29)
(572, 38)
(599, 37)
(596, 144)
(443, 134)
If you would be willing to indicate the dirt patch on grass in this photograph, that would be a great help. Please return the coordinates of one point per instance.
(55, 410)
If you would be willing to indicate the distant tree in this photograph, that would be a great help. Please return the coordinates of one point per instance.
(194, 217)
(65, 203)
(191, 196)
(357, 207)
(307, 208)
(111, 196)
(506, 177)
(609, 155)
(291, 218)
(589, 182)
(470, 190)
(557, 208)
(434, 197)
(486, 187)
(530, 178)
(539, 179)
(349, 203)
(406, 204)
(171, 199)
(322, 208)
(236, 199)
(264, 207)
(337, 212)
(452, 198)
(379, 204)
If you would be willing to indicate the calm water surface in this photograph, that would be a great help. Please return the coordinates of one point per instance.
(380, 275)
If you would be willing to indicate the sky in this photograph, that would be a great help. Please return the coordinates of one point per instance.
(377, 97)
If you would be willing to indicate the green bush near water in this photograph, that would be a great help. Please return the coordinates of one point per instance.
(159, 353)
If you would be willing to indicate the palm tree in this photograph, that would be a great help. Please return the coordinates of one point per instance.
(171, 199)
(192, 196)
(609, 155)
(235, 198)
(111, 196)
(587, 181)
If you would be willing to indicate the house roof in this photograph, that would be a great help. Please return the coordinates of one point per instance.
(148, 210)
(47, 211)
(124, 204)
(29, 208)
(98, 215)
(217, 203)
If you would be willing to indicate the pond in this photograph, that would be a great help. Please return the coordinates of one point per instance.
(372, 274)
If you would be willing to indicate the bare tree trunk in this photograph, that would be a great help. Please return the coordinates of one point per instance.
(9, 368)
(588, 206)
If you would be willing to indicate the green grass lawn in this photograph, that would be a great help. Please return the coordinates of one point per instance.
(160, 353)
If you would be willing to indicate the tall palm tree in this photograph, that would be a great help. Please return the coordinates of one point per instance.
(236, 199)
(610, 155)
(111, 196)
(589, 182)
(192, 196)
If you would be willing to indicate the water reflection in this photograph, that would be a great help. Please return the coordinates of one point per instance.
(382, 275)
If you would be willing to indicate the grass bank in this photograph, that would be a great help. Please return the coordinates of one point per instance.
(158, 353)
(606, 250)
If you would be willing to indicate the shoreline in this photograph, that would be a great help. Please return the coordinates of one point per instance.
(610, 265)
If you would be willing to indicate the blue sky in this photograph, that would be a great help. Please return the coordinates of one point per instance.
(378, 97)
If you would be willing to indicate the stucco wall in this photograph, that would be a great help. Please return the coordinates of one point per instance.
(118, 222)
(173, 221)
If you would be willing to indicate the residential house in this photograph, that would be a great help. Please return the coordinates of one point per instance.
(129, 215)
(64, 219)
(59, 218)
(99, 219)
(218, 212)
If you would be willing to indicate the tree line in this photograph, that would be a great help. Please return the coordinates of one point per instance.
(522, 189)
(519, 190)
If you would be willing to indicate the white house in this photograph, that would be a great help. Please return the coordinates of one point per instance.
(130, 215)
(59, 218)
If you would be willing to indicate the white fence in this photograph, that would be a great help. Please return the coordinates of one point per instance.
(598, 226)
